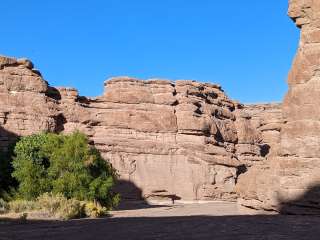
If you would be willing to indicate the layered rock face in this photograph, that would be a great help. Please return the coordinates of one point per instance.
(167, 139)
(183, 140)
(290, 181)
(188, 140)
(299, 167)
(24, 106)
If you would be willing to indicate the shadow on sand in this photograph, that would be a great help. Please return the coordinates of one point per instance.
(308, 204)
(242, 227)
(260, 227)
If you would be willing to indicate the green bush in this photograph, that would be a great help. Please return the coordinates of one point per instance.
(64, 164)
(7, 182)
(30, 166)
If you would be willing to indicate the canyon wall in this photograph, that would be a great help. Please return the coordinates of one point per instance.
(180, 139)
(187, 140)
(290, 181)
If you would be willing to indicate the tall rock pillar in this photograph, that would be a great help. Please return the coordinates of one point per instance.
(289, 181)
(299, 162)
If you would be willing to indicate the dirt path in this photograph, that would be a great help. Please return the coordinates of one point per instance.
(191, 221)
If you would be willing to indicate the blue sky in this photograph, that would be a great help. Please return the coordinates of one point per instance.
(245, 46)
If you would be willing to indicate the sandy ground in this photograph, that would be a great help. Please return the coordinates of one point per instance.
(180, 221)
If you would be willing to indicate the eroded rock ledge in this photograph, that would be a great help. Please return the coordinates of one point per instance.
(184, 139)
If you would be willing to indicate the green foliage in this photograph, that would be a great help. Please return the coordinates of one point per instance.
(7, 182)
(64, 164)
(30, 166)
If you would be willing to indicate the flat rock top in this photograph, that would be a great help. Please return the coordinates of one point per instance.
(192, 221)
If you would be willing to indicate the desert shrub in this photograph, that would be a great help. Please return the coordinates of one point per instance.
(50, 203)
(19, 206)
(63, 164)
(94, 210)
(71, 209)
(56, 206)
(4, 206)
(60, 207)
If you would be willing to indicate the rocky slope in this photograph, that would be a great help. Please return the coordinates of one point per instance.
(183, 140)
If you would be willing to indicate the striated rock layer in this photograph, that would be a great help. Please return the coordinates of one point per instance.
(188, 140)
(167, 139)
(183, 140)
(290, 181)
(24, 106)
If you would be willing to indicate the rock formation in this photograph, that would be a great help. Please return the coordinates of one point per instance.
(24, 106)
(169, 139)
(289, 181)
(186, 140)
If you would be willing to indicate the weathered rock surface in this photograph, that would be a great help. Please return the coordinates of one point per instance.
(290, 180)
(168, 139)
(24, 106)
(180, 140)
(187, 139)
(299, 165)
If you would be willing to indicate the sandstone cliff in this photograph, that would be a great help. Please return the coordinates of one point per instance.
(289, 181)
(24, 106)
(183, 139)
(187, 140)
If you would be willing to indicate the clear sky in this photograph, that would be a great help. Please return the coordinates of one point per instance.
(246, 46)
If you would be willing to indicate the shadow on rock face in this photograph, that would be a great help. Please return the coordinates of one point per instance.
(132, 198)
(128, 190)
(306, 204)
(265, 149)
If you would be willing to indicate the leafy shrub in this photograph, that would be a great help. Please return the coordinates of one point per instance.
(30, 166)
(64, 164)
(94, 210)
(19, 206)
